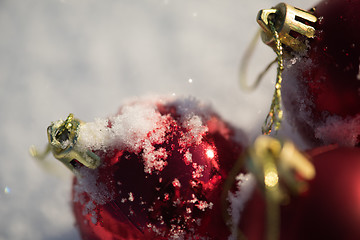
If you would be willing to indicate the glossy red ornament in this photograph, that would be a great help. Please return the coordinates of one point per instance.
(168, 187)
(329, 209)
(321, 88)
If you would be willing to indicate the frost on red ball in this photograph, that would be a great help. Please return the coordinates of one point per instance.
(163, 166)
(321, 88)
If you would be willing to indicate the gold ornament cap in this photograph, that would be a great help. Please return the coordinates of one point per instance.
(270, 159)
(276, 164)
(290, 22)
(62, 137)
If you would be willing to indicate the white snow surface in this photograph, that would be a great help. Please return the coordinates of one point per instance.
(88, 57)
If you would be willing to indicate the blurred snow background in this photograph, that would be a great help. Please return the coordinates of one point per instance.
(87, 57)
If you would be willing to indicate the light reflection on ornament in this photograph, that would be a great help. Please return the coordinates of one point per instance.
(210, 153)
(271, 177)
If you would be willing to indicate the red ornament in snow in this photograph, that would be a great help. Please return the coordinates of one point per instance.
(153, 171)
(328, 209)
(321, 86)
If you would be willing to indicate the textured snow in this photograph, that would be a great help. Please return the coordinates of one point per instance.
(335, 129)
(87, 57)
(95, 135)
(195, 130)
(339, 130)
(129, 130)
(139, 124)
(98, 192)
(139, 127)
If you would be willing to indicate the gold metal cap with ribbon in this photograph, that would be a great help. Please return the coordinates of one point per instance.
(62, 137)
(291, 23)
(282, 25)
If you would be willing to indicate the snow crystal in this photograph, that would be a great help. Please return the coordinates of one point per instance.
(89, 208)
(188, 157)
(246, 186)
(338, 130)
(194, 115)
(176, 183)
(88, 183)
(154, 159)
(176, 233)
(94, 219)
(195, 130)
(202, 205)
(94, 135)
(198, 170)
(132, 126)
(194, 199)
(131, 196)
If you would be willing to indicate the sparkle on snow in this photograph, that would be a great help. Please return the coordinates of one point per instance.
(7, 190)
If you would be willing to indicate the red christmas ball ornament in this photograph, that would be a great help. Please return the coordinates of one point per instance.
(153, 171)
(321, 85)
(331, 208)
(328, 209)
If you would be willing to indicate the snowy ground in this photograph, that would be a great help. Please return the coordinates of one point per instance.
(87, 57)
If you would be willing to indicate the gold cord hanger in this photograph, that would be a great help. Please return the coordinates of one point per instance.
(275, 114)
(281, 25)
(244, 65)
